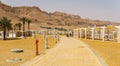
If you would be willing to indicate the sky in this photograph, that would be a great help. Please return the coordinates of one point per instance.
(108, 10)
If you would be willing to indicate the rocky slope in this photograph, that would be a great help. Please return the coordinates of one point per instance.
(42, 18)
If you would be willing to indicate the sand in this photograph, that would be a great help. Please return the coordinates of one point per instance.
(28, 45)
(108, 50)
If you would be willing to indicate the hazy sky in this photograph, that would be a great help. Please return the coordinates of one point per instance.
(93, 9)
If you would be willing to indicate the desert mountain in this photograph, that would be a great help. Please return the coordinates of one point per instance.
(42, 18)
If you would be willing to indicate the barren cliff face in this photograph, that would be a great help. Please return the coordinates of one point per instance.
(42, 18)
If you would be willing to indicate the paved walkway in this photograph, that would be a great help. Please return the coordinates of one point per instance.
(69, 52)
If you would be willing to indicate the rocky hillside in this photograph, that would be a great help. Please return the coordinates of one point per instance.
(42, 18)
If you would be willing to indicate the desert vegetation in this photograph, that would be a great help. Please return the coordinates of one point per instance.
(5, 24)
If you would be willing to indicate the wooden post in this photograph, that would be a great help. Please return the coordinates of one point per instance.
(85, 33)
(46, 42)
(92, 33)
(118, 34)
(37, 46)
(103, 33)
(80, 33)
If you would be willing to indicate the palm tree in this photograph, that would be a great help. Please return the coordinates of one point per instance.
(5, 25)
(18, 25)
(28, 21)
(23, 19)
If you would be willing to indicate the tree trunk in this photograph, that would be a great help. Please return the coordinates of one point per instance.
(99, 35)
(19, 28)
(24, 29)
(4, 33)
(108, 35)
(28, 29)
(23, 26)
(28, 26)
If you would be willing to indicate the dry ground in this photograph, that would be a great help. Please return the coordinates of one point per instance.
(108, 50)
(28, 45)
